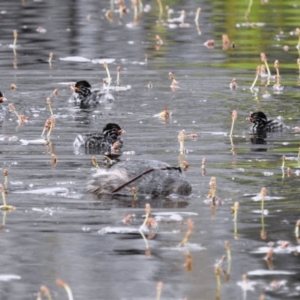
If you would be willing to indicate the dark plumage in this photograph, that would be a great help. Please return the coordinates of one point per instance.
(150, 177)
(86, 97)
(2, 99)
(104, 142)
(262, 125)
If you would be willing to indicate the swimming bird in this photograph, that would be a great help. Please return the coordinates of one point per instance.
(146, 177)
(261, 124)
(86, 97)
(2, 99)
(106, 142)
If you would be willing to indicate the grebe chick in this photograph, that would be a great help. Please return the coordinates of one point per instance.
(106, 142)
(86, 97)
(261, 124)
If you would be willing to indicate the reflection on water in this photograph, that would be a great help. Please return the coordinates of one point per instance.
(60, 231)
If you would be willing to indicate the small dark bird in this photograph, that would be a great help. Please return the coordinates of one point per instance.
(262, 125)
(106, 142)
(147, 177)
(86, 97)
(2, 99)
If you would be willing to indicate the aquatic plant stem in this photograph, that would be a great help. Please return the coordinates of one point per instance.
(263, 194)
(108, 74)
(3, 196)
(234, 117)
(297, 229)
(247, 14)
(48, 100)
(227, 247)
(263, 58)
(95, 162)
(15, 33)
(160, 9)
(159, 289)
(63, 285)
(283, 165)
(256, 77)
